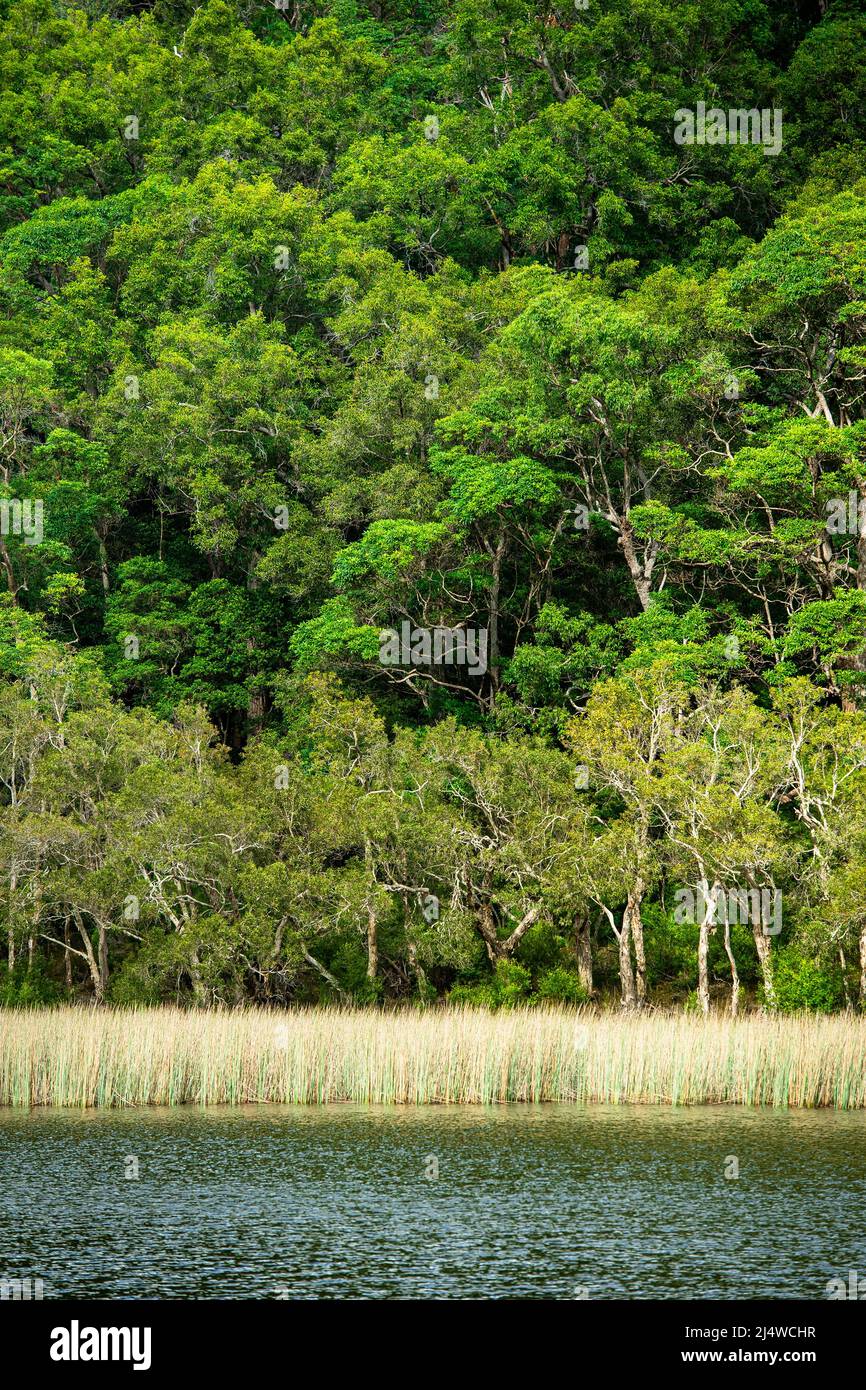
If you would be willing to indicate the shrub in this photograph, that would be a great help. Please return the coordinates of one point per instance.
(563, 986)
(27, 985)
(802, 983)
(510, 984)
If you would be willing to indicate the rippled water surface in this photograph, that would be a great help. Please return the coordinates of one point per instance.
(345, 1202)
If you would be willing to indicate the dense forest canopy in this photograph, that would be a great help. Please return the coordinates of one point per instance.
(433, 501)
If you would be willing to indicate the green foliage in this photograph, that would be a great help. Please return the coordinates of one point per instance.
(509, 985)
(562, 986)
(805, 984)
(323, 320)
(27, 985)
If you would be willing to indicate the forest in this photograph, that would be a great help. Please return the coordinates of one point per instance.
(433, 503)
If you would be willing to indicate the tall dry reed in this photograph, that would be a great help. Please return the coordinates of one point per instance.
(117, 1057)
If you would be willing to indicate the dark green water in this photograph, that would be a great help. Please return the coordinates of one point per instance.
(343, 1202)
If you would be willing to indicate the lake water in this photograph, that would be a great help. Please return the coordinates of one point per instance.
(464, 1202)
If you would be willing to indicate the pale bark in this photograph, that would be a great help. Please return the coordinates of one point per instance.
(626, 973)
(843, 961)
(636, 931)
(622, 934)
(765, 961)
(500, 950)
(372, 945)
(103, 959)
(707, 927)
(703, 971)
(103, 563)
(325, 973)
(641, 570)
(13, 884)
(735, 975)
(195, 975)
(92, 963)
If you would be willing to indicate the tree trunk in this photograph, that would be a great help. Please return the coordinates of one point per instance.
(89, 956)
(703, 971)
(103, 959)
(487, 928)
(863, 967)
(626, 974)
(103, 563)
(13, 884)
(197, 983)
(765, 960)
(372, 945)
(6, 562)
(735, 976)
(500, 950)
(325, 973)
(636, 931)
(583, 951)
(843, 961)
(640, 570)
(412, 951)
(256, 711)
(67, 957)
(37, 917)
(704, 945)
(493, 602)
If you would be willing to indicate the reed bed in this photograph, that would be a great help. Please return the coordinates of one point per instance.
(166, 1056)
